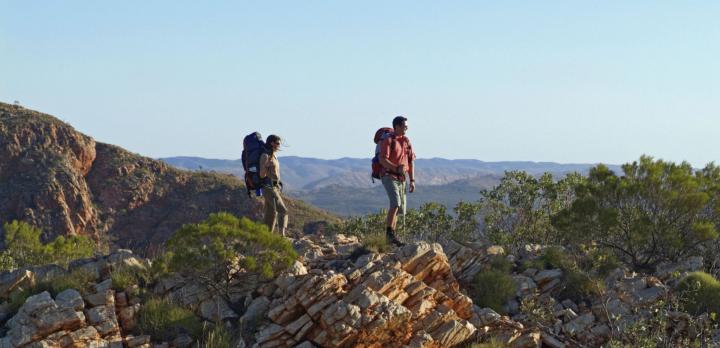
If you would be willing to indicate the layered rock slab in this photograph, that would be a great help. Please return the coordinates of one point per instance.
(408, 297)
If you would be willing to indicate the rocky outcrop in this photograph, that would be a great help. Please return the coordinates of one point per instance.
(333, 297)
(65, 183)
(99, 317)
(407, 297)
(43, 164)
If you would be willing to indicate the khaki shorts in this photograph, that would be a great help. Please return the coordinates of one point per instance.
(396, 193)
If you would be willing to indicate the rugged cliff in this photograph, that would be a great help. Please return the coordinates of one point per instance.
(66, 183)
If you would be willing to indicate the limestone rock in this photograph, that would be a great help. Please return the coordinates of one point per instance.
(579, 324)
(216, 309)
(389, 300)
(70, 298)
(531, 339)
(39, 317)
(104, 319)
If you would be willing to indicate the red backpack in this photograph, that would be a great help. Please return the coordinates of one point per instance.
(380, 135)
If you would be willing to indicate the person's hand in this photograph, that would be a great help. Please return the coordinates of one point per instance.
(401, 169)
(412, 186)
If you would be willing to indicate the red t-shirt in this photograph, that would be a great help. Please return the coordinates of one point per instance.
(397, 150)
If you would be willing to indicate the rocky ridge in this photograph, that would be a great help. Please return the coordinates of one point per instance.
(332, 297)
(66, 183)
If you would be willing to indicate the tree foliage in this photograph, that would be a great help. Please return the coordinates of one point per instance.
(656, 211)
(431, 222)
(520, 208)
(224, 249)
(23, 247)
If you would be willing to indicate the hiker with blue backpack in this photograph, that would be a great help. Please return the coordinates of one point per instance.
(394, 166)
(275, 209)
(262, 175)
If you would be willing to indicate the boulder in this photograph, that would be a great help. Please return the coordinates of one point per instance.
(216, 309)
(579, 324)
(41, 316)
(104, 319)
(532, 339)
(70, 298)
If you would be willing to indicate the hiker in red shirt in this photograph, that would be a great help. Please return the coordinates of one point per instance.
(396, 158)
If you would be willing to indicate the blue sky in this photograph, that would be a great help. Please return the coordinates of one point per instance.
(563, 81)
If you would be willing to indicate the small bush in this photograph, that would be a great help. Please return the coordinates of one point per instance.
(78, 279)
(216, 337)
(501, 264)
(24, 248)
(552, 257)
(124, 277)
(493, 289)
(376, 242)
(164, 320)
(700, 293)
(580, 286)
(7, 262)
(601, 260)
(224, 248)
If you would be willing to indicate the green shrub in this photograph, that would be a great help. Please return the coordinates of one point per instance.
(376, 242)
(492, 289)
(164, 320)
(62, 250)
(700, 293)
(654, 211)
(22, 243)
(552, 257)
(601, 260)
(216, 337)
(24, 248)
(519, 210)
(430, 222)
(79, 279)
(124, 277)
(224, 248)
(7, 262)
(501, 264)
(579, 286)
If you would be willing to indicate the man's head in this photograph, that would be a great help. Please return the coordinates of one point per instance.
(400, 125)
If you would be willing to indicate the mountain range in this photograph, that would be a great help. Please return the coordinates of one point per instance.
(344, 186)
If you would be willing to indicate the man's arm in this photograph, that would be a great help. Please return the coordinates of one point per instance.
(411, 167)
(411, 173)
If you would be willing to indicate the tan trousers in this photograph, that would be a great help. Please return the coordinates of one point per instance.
(275, 210)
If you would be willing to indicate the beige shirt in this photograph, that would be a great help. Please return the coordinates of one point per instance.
(269, 167)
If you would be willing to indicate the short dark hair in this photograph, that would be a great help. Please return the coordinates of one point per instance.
(398, 120)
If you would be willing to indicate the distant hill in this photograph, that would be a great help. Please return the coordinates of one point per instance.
(66, 183)
(343, 186)
(353, 201)
(302, 173)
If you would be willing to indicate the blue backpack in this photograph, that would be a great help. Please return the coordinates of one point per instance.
(253, 148)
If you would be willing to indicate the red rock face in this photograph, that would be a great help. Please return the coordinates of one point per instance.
(43, 164)
(66, 183)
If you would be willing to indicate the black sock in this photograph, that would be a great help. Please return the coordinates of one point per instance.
(389, 231)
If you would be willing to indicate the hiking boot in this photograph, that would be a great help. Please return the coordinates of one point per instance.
(390, 234)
